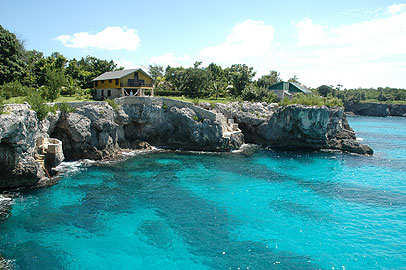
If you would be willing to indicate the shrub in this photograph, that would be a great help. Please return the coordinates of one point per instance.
(38, 104)
(334, 102)
(312, 100)
(65, 107)
(84, 94)
(196, 101)
(113, 104)
(1, 105)
(255, 93)
(13, 89)
(194, 117)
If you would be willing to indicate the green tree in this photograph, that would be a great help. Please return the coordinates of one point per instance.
(240, 75)
(12, 65)
(217, 81)
(156, 71)
(325, 90)
(294, 79)
(13, 89)
(192, 82)
(269, 79)
(87, 68)
(55, 79)
(38, 104)
(35, 62)
(253, 92)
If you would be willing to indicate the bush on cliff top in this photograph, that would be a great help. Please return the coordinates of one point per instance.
(38, 105)
(113, 104)
(312, 100)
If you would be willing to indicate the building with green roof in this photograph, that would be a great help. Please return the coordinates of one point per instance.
(288, 89)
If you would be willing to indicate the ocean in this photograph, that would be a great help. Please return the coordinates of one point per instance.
(251, 209)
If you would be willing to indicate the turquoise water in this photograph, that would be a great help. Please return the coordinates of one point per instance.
(258, 209)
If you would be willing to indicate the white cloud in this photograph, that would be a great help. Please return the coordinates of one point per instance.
(127, 64)
(247, 39)
(309, 33)
(396, 8)
(111, 38)
(363, 54)
(171, 60)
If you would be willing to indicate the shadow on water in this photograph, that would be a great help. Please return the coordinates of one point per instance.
(34, 256)
(204, 228)
(293, 208)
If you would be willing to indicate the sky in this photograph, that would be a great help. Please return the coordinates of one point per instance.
(349, 42)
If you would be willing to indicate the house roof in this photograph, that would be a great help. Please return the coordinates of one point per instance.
(301, 88)
(290, 85)
(118, 74)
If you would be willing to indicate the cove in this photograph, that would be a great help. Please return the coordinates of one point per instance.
(252, 209)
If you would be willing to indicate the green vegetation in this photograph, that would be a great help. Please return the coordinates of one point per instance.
(25, 74)
(252, 92)
(312, 100)
(381, 95)
(1, 105)
(113, 104)
(38, 104)
(65, 108)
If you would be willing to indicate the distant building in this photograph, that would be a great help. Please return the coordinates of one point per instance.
(288, 89)
(122, 83)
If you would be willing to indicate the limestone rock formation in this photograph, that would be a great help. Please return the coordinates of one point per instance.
(89, 132)
(376, 109)
(18, 134)
(294, 126)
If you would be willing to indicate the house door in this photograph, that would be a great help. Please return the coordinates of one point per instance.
(136, 76)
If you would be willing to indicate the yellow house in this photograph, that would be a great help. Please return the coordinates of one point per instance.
(122, 83)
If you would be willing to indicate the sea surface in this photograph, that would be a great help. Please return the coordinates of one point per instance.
(253, 209)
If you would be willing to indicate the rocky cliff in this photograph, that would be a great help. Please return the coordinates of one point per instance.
(376, 109)
(95, 130)
(18, 134)
(294, 126)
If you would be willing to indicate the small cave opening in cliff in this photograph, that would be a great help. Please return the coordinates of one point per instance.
(8, 157)
(66, 140)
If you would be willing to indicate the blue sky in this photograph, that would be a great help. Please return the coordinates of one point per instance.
(354, 43)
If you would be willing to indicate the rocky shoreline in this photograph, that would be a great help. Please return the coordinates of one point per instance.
(376, 109)
(94, 130)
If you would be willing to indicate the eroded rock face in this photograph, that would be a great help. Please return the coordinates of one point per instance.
(376, 109)
(170, 127)
(89, 132)
(18, 133)
(295, 126)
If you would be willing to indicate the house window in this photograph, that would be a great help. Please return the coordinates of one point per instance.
(102, 81)
(102, 93)
(110, 81)
(116, 81)
(96, 83)
(109, 93)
